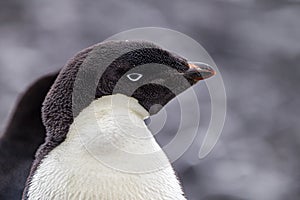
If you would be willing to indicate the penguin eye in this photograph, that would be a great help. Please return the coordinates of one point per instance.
(134, 76)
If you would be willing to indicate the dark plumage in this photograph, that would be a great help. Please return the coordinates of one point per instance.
(24, 134)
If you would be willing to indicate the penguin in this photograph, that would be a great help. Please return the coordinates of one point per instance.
(97, 145)
(23, 135)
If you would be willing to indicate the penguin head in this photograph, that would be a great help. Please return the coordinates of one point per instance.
(138, 69)
(151, 75)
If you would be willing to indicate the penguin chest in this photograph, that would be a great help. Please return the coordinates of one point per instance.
(83, 177)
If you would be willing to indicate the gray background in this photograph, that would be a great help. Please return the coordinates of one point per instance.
(256, 45)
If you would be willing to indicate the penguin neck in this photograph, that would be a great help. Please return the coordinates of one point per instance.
(108, 122)
(119, 104)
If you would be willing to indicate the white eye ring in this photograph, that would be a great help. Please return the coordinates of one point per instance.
(134, 76)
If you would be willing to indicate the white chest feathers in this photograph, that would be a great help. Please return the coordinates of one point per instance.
(109, 154)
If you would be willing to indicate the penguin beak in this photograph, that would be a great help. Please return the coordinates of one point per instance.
(199, 71)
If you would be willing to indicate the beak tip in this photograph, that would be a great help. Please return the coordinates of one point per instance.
(213, 72)
(200, 71)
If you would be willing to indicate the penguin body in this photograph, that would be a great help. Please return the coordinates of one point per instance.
(97, 150)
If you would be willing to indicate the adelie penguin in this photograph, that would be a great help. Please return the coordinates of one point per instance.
(97, 145)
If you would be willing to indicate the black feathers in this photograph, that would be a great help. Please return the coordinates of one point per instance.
(24, 134)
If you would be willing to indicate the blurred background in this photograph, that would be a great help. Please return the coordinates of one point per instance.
(256, 45)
